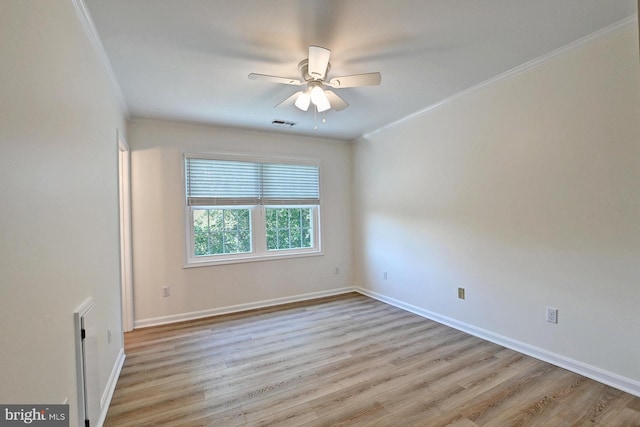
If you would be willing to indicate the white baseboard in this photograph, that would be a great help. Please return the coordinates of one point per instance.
(155, 321)
(614, 380)
(105, 400)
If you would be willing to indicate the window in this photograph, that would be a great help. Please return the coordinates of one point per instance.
(221, 231)
(242, 211)
(289, 228)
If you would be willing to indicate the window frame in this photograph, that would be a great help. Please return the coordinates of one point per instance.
(259, 250)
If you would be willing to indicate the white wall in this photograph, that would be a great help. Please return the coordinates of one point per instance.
(59, 201)
(157, 149)
(526, 192)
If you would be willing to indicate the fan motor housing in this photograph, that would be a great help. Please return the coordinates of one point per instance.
(303, 66)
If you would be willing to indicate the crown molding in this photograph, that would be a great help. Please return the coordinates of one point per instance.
(92, 33)
(512, 72)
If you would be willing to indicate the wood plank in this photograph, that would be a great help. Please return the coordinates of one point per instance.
(346, 360)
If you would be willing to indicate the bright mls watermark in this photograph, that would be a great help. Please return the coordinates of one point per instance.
(34, 415)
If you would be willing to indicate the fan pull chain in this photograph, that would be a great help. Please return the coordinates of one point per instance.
(315, 118)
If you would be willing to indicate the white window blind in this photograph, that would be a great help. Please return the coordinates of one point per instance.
(222, 182)
(290, 185)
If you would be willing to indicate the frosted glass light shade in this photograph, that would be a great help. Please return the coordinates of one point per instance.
(303, 101)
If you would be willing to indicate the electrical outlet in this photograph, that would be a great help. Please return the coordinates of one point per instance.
(337, 270)
(552, 315)
(461, 293)
(385, 275)
(166, 291)
(109, 335)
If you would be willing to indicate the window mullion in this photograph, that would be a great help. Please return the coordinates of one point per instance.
(208, 232)
(223, 234)
(289, 227)
(259, 230)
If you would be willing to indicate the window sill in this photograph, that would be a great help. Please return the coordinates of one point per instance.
(252, 258)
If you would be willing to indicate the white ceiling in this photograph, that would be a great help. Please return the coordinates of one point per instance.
(189, 59)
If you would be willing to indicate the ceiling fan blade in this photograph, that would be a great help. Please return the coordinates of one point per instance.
(289, 101)
(318, 62)
(276, 79)
(355, 80)
(336, 102)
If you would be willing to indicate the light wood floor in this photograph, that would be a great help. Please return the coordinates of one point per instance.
(346, 360)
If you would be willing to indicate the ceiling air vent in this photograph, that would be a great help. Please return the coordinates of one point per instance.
(283, 123)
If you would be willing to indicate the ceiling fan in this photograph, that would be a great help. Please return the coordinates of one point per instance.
(314, 71)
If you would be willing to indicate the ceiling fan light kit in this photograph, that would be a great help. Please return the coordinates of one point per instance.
(318, 96)
(303, 101)
(314, 71)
